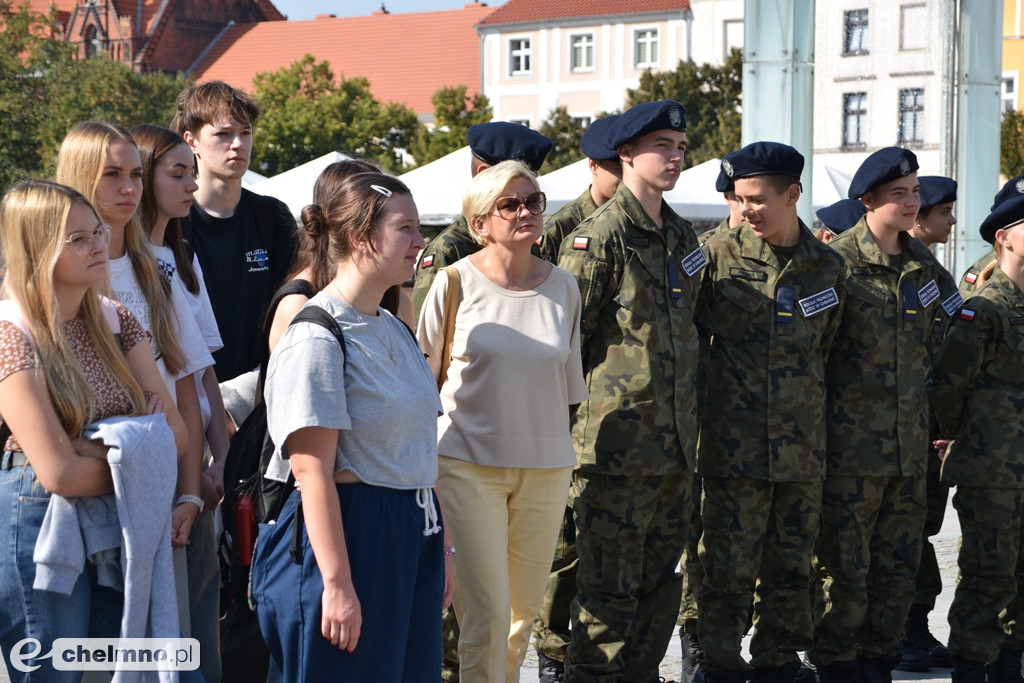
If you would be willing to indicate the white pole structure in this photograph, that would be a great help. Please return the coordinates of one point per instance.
(778, 80)
(975, 164)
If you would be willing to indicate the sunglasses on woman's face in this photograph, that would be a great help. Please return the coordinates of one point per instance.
(509, 207)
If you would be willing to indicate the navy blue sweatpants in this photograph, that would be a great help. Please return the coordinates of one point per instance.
(398, 574)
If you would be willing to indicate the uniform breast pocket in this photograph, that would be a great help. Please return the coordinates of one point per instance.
(864, 311)
(1013, 339)
(637, 300)
(736, 305)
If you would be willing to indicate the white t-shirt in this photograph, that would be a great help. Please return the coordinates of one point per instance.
(202, 311)
(193, 345)
(515, 369)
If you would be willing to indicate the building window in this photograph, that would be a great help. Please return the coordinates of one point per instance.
(855, 118)
(581, 122)
(582, 56)
(646, 52)
(733, 37)
(855, 32)
(1008, 91)
(913, 27)
(521, 122)
(911, 123)
(519, 56)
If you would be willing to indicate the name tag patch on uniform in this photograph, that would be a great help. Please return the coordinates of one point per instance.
(816, 303)
(748, 274)
(952, 303)
(694, 261)
(581, 243)
(928, 293)
(967, 315)
(1017, 321)
(427, 261)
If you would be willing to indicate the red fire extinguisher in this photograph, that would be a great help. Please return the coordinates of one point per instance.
(245, 526)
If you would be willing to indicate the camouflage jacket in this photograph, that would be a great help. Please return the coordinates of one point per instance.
(876, 373)
(638, 285)
(562, 222)
(452, 244)
(708, 234)
(969, 281)
(770, 324)
(977, 388)
(950, 300)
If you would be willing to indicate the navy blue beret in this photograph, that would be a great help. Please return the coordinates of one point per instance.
(763, 158)
(723, 183)
(842, 215)
(883, 166)
(646, 118)
(936, 189)
(498, 141)
(1014, 187)
(595, 140)
(1010, 212)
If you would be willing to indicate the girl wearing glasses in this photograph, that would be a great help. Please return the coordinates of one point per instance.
(61, 367)
(505, 458)
(102, 161)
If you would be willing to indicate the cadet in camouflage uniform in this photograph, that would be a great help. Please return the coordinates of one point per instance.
(919, 649)
(972, 278)
(769, 304)
(637, 264)
(873, 503)
(551, 628)
(606, 173)
(977, 390)
(490, 143)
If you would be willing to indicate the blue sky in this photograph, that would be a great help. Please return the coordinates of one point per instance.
(307, 9)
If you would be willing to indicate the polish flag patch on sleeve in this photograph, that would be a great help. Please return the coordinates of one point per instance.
(581, 243)
(966, 314)
(427, 261)
(971, 278)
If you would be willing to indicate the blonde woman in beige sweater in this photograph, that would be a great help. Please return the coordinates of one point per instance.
(505, 458)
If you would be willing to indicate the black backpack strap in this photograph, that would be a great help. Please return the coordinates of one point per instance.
(319, 316)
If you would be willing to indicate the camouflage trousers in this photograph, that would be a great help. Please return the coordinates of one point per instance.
(869, 548)
(758, 541)
(989, 599)
(630, 534)
(693, 571)
(551, 628)
(928, 583)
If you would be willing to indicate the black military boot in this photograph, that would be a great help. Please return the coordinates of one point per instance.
(549, 670)
(807, 673)
(1006, 668)
(968, 671)
(878, 669)
(914, 659)
(917, 636)
(693, 655)
(775, 674)
(840, 672)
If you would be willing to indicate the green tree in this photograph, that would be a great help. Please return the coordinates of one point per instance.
(1011, 144)
(454, 113)
(712, 96)
(306, 114)
(565, 133)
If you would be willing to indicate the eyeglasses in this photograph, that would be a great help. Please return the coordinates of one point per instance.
(509, 207)
(83, 242)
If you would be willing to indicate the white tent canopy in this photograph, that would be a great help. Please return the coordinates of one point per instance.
(251, 178)
(295, 187)
(438, 187)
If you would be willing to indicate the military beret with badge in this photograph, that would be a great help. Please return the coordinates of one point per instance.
(723, 183)
(763, 158)
(1006, 215)
(498, 141)
(842, 215)
(645, 118)
(1014, 187)
(884, 166)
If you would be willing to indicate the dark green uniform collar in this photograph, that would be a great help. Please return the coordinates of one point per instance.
(870, 252)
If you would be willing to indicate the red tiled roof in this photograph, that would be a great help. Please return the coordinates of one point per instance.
(406, 57)
(518, 11)
(43, 6)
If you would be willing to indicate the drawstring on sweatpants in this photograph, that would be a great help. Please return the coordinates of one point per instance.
(425, 499)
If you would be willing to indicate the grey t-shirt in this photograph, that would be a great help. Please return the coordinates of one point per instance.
(383, 401)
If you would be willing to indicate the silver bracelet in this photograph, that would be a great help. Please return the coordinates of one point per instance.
(449, 551)
(181, 500)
